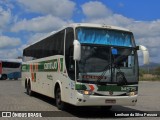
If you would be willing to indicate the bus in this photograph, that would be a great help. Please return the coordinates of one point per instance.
(84, 64)
(10, 70)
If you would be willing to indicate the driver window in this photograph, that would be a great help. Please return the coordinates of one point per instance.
(69, 52)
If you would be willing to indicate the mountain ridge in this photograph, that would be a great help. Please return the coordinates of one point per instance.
(151, 65)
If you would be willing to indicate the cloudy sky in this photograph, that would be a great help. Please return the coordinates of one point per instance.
(22, 22)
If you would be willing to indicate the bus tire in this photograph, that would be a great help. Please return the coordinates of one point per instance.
(26, 84)
(29, 91)
(60, 104)
(4, 77)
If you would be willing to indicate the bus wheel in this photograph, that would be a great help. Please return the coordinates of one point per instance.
(4, 77)
(60, 105)
(29, 91)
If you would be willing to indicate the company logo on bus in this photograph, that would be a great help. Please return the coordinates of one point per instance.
(50, 65)
(55, 65)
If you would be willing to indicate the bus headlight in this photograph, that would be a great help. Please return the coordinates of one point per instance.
(132, 93)
(85, 92)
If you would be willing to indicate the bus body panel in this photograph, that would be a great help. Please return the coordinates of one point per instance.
(44, 83)
(101, 100)
(45, 73)
(43, 80)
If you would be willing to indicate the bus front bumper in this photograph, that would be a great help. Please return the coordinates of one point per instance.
(92, 100)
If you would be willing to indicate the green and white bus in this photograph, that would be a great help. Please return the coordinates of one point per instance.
(85, 65)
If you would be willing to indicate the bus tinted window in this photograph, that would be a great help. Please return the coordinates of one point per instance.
(69, 52)
(10, 65)
(53, 45)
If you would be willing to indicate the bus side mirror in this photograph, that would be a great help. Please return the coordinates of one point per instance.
(145, 54)
(77, 50)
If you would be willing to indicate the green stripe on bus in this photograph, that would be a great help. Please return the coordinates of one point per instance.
(116, 88)
(113, 88)
(80, 87)
(25, 68)
(54, 65)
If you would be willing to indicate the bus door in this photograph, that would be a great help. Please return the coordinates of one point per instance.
(0, 67)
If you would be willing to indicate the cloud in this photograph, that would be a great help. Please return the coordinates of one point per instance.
(145, 28)
(9, 42)
(9, 47)
(121, 5)
(59, 8)
(95, 10)
(36, 37)
(152, 42)
(140, 28)
(115, 19)
(39, 24)
(7, 4)
(5, 16)
(146, 33)
(9, 53)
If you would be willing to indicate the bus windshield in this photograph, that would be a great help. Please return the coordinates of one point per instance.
(107, 62)
(105, 37)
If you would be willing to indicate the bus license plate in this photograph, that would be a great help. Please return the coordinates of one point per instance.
(110, 101)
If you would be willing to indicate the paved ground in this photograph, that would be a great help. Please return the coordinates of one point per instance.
(14, 98)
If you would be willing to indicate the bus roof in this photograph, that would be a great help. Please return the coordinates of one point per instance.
(11, 60)
(74, 25)
(98, 26)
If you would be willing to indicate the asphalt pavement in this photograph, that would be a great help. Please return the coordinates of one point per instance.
(13, 98)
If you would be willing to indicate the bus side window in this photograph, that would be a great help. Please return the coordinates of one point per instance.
(69, 52)
(71, 61)
(52, 45)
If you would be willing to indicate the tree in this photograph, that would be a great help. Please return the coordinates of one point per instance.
(157, 71)
(141, 72)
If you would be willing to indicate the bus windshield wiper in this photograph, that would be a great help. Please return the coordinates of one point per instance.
(103, 73)
(120, 75)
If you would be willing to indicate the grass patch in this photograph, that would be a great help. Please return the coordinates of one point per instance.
(149, 77)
